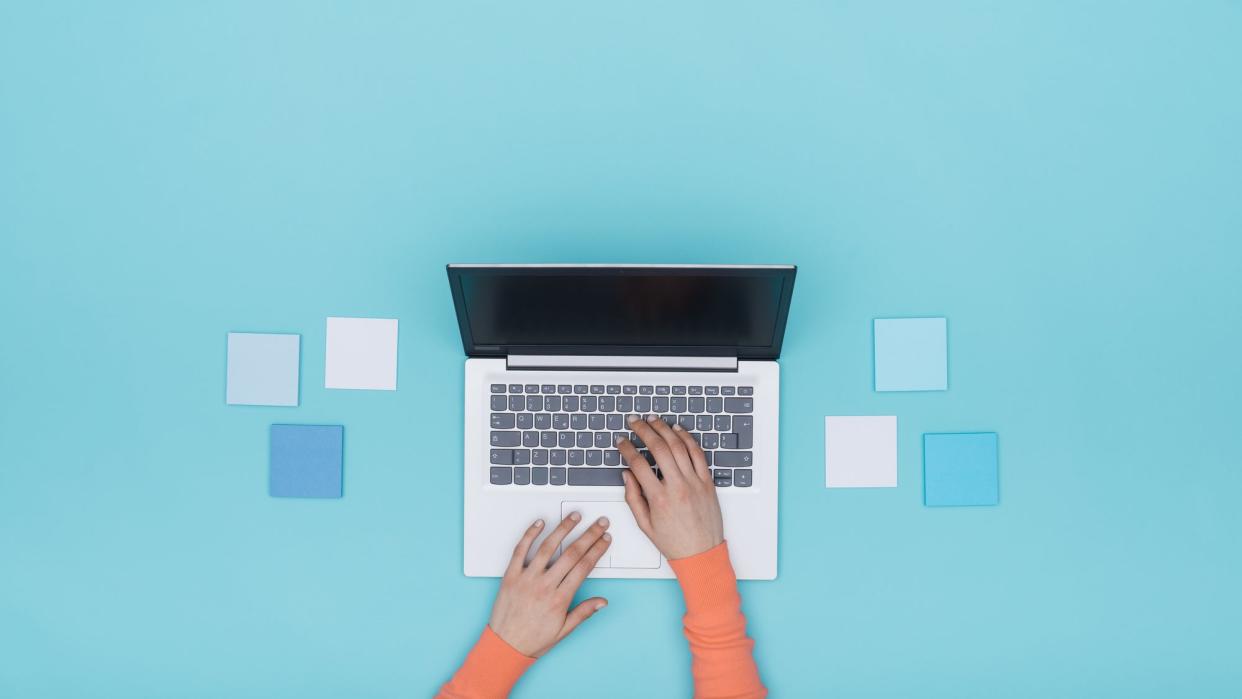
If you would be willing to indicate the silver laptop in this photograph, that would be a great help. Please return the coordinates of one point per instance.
(558, 355)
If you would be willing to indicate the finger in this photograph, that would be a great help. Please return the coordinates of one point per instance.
(639, 467)
(580, 614)
(637, 502)
(523, 546)
(574, 576)
(575, 551)
(659, 448)
(681, 457)
(696, 454)
(548, 549)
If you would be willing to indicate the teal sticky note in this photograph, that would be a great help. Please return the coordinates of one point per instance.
(306, 461)
(960, 469)
(911, 354)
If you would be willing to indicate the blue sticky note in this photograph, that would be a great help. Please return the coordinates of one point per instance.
(263, 369)
(306, 461)
(911, 354)
(960, 470)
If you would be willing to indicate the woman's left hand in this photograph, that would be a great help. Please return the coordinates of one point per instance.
(531, 612)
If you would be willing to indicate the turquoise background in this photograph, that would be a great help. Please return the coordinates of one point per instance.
(1059, 179)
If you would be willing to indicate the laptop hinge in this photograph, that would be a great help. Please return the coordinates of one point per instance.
(619, 363)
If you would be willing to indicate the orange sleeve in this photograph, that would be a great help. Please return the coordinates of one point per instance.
(723, 663)
(490, 670)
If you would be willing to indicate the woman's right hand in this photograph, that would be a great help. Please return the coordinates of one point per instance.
(680, 514)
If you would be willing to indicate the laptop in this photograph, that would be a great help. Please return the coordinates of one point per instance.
(559, 355)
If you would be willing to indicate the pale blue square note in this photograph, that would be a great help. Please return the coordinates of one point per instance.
(911, 354)
(263, 369)
(960, 470)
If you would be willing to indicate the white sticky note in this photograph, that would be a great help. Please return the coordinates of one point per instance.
(262, 369)
(361, 354)
(860, 452)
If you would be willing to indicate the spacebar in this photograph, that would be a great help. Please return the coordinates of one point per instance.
(595, 476)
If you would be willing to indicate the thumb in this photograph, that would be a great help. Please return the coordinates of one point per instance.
(581, 613)
(638, 502)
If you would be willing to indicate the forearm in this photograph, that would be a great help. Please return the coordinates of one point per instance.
(723, 660)
(490, 670)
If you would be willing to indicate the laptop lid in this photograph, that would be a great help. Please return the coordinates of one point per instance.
(647, 310)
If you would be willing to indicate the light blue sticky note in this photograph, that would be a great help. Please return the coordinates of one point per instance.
(306, 461)
(263, 369)
(911, 354)
(960, 469)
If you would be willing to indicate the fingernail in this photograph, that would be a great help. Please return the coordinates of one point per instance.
(677, 426)
(600, 606)
(631, 418)
(618, 442)
(652, 418)
(607, 536)
(625, 476)
(538, 523)
(575, 516)
(603, 522)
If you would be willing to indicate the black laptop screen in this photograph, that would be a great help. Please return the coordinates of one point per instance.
(563, 309)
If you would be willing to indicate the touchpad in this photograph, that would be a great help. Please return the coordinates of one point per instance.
(630, 546)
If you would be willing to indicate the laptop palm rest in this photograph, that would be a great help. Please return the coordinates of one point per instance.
(630, 546)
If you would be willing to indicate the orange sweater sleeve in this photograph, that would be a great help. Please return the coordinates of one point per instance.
(723, 663)
(490, 670)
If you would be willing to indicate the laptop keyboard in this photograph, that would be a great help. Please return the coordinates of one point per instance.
(564, 434)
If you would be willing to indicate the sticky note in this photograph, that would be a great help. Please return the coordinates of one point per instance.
(305, 461)
(911, 354)
(361, 354)
(262, 369)
(860, 452)
(960, 469)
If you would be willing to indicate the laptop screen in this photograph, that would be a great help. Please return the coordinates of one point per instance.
(716, 310)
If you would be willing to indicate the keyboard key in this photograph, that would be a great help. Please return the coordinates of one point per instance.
(715, 405)
(534, 403)
(543, 421)
(589, 404)
(577, 421)
(502, 421)
(727, 390)
(638, 442)
(502, 456)
(629, 389)
(659, 404)
(723, 477)
(580, 388)
(517, 403)
(532, 388)
(662, 390)
(552, 404)
(616, 422)
(703, 423)
(521, 457)
(696, 404)
(521, 475)
(571, 403)
(499, 402)
(698, 438)
(565, 440)
(595, 476)
(556, 457)
(502, 475)
(744, 427)
(539, 475)
(597, 389)
(594, 457)
(525, 421)
(711, 390)
(547, 439)
(707, 456)
(741, 477)
(506, 439)
(745, 391)
(547, 388)
(564, 388)
(576, 457)
(734, 459)
(595, 421)
(607, 404)
(686, 422)
(679, 390)
(584, 440)
(677, 404)
(603, 440)
(560, 421)
(515, 388)
(539, 457)
(498, 388)
(530, 438)
(625, 404)
(612, 457)
(711, 440)
(694, 390)
(642, 404)
(646, 390)
(721, 423)
(556, 476)
(613, 389)
(739, 405)
(728, 440)
(669, 420)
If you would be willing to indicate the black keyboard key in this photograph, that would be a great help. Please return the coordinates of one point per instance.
(629, 389)
(694, 390)
(642, 404)
(539, 457)
(556, 457)
(534, 403)
(745, 391)
(521, 457)
(739, 405)
(521, 475)
(577, 421)
(597, 389)
(686, 422)
(539, 475)
(565, 440)
(552, 404)
(603, 440)
(580, 388)
(502, 475)
(711, 440)
(525, 421)
(576, 457)
(506, 439)
(515, 388)
(595, 421)
(723, 477)
(638, 442)
(584, 440)
(563, 388)
(744, 427)
(679, 390)
(589, 404)
(612, 457)
(543, 421)
(728, 440)
(502, 421)
(662, 390)
(547, 388)
(711, 390)
(532, 388)
(734, 459)
(646, 390)
(560, 421)
(625, 404)
(669, 420)
(530, 438)
(547, 439)
(594, 457)
(517, 403)
(595, 476)
(499, 403)
(571, 403)
(741, 477)
(556, 476)
(613, 389)
(502, 456)
(696, 404)
(702, 423)
(498, 388)
(707, 456)
(715, 405)
(659, 404)
(721, 423)
(616, 422)
(607, 404)
(727, 390)
(677, 404)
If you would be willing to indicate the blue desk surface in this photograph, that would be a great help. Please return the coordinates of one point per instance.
(1061, 183)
